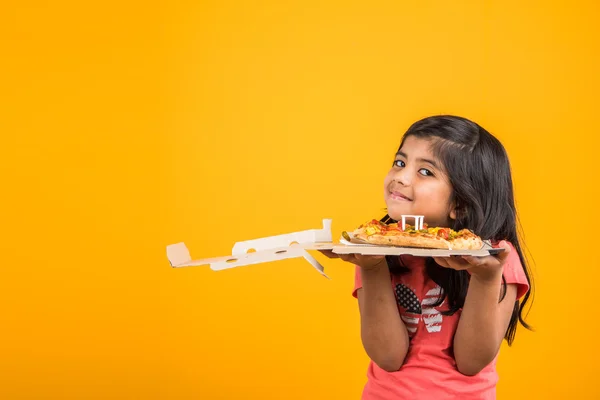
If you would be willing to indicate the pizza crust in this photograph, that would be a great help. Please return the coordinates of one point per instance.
(402, 239)
(467, 243)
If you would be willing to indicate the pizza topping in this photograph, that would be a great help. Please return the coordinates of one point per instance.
(435, 237)
(372, 230)
(444, 233)
(375, 227)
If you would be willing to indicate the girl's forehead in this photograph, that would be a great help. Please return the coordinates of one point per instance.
(416, 145)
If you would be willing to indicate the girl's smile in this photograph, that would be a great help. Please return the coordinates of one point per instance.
(398, 196)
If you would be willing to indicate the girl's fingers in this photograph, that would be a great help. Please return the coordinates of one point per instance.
(503, 255)
(441, 261)
(452, 262)
(475, 261)
(348, 258)
(360, 257)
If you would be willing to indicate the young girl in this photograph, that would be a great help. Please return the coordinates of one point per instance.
(432, 327)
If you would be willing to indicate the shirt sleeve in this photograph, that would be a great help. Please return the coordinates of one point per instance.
(357, 280)
(515, 274)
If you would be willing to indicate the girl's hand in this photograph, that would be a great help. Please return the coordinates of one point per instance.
(366, 263)
(488, 268)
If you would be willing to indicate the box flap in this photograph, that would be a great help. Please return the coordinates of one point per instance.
(280, 241)
(256, 251)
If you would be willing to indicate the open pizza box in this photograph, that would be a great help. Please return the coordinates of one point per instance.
(297, 244)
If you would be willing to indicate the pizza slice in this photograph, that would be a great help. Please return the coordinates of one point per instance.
(378, 233)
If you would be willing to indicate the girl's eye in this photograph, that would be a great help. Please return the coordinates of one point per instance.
(425, 172)
(399, 163)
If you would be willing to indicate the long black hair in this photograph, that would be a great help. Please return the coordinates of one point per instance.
(478, 169)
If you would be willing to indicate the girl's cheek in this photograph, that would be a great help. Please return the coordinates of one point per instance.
(387, 179)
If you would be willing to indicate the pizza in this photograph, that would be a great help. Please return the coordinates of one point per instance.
(379, 233)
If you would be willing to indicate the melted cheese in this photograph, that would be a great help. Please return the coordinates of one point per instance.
(371, 230)
(434, 231)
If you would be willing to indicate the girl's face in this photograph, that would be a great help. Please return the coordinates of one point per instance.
(417, 185)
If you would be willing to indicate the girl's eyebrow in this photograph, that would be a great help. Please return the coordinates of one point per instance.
(423, 160)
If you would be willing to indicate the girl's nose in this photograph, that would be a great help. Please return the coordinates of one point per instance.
(402, 177)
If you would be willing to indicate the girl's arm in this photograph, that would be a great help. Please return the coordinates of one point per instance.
(484, 319)
(384, 335)
(483, 324)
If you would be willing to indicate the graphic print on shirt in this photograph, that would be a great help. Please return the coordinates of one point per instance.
(415, 309)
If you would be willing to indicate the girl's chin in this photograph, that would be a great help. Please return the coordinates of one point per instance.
(397, 214)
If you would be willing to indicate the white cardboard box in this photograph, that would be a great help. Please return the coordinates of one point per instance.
(297, 244)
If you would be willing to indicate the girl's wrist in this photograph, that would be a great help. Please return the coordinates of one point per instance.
(487, 277)
(378, 266)
(374, 278)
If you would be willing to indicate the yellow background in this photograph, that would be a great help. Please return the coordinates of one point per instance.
(127, 126)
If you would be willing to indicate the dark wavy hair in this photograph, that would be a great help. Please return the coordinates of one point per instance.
(478, 168)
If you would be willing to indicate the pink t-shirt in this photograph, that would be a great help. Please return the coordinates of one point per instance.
(429, 370)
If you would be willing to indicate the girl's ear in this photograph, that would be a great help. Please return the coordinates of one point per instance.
(457, 210)
(453, 213)
(453, 210)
